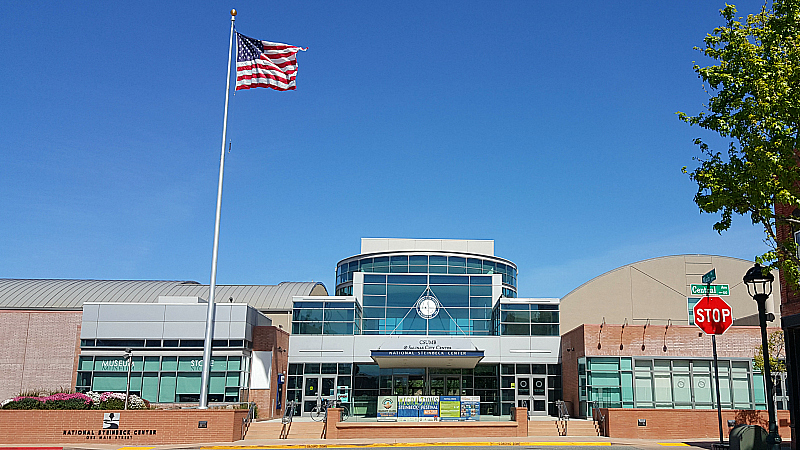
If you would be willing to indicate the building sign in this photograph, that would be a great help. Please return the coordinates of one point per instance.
(433, 353)
(110, 430)
(449, 408)
(387, 408)
(438, 343)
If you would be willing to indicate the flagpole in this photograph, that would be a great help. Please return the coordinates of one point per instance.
(212, 287)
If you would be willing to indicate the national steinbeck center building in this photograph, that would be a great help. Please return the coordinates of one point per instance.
(433, 318)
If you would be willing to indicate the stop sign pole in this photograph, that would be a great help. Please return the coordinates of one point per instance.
(714, 316)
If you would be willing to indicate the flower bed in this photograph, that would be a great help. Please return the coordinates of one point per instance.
(90, 400)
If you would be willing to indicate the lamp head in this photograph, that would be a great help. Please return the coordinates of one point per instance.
(757, 282)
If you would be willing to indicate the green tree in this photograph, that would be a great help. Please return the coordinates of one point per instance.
(777, 355)
(754, 105)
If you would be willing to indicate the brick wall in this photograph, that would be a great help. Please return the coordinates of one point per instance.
(660, 341)
(40, 350)
(150, 427)
(683, 423)
(790, 300)
(275, 340)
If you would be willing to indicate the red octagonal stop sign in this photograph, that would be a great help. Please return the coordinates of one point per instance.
(713, 315)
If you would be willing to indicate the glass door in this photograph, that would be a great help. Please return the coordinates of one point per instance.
(316, 386)
(532, 394)
(445, 385)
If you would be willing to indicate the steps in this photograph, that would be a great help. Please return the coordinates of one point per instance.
(271, 429)
(575, 427)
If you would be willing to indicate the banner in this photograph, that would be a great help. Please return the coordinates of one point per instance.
(408, 408)
(429, 408)
(470, 408)
(387, 408)
(449, 408)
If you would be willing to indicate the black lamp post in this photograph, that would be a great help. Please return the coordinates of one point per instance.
(759, 286)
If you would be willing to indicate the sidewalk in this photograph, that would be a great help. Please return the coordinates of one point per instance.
(561, 441)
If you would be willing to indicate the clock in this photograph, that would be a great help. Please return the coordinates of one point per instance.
(428, 306)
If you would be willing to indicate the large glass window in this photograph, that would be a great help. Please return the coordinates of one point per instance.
(164, 379)
(666, 383)
(434, 264)
(330, 317)
(527, 319)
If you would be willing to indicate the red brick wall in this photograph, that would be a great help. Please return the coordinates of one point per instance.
(39, 350)
(683, 423)
(150, 427)
(674, 342)
(275, 340)
(790, 300)
(636, 340)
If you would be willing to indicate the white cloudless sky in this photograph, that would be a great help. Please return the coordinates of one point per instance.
(548, 127)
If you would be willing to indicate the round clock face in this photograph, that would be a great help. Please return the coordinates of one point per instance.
(427, 307)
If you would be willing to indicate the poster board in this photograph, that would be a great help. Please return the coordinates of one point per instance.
(470, 408)
(449, 408)
(408, 408)
(387, 408)
(429, 408)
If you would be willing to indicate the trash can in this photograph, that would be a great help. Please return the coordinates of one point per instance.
(748, 437)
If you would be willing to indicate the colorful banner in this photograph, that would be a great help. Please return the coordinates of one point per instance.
(387, 408)
(408, 408)
(449, 408)
(429, 408)
(470, 408)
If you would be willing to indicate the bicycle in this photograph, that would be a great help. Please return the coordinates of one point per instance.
(320, 411)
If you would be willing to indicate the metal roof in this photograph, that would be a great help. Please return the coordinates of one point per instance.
(71, 294)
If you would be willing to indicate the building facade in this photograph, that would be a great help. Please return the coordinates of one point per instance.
(425, 317)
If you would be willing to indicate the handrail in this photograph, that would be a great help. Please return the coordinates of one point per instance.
(286, 420)
(251, 414)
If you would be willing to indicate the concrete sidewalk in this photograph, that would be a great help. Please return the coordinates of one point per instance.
(562, 441)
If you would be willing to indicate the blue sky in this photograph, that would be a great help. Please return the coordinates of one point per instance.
(549, 127)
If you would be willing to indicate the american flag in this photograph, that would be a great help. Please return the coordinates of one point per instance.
(265, 64)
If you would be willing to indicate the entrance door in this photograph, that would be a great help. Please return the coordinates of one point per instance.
(317, 386)
(532, 394)
(445, 385)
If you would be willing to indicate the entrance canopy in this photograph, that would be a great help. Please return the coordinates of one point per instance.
(427, 352)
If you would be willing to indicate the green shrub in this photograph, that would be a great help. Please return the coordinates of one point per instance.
(25, 403)
(111, 403)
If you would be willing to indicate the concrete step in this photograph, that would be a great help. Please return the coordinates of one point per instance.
(551, 428)
(272, 430)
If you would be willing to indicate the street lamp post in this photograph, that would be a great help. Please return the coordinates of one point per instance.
(759, 286)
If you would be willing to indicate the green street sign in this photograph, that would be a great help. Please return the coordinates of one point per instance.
(710, 276)
(714, 289)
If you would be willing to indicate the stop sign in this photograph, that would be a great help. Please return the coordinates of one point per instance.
(713, 315)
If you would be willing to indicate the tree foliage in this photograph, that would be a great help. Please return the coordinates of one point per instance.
(777, 355)
(754, 104)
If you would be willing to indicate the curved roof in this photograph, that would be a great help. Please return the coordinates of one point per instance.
(656, 291)
(72, 294)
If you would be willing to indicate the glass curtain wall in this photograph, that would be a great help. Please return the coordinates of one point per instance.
(667, 383)
(433, 264)
(165, 379)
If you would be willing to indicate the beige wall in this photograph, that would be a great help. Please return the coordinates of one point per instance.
(39, 350)
(657, 289)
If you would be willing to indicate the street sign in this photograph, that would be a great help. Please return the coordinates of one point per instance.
(712, 289)
(710, 276)
(713, 315)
